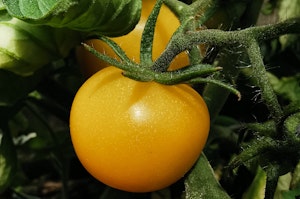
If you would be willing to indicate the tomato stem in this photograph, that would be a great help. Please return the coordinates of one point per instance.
(174, 47)
(148, 36)
(126, 65)
(185, 74)
(263, 82)
(117, 49)
(218, 83)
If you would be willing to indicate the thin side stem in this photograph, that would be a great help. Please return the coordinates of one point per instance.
(114, 62)
(262, 81)
(148, 35)
(117, 49)
(218, 83)
(185, 74)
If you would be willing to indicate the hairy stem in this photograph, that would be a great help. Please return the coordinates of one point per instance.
(262, 81)
(184, 40)
(148, 36)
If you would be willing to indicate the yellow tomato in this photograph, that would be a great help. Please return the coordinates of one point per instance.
(137, 136)
(166, 25)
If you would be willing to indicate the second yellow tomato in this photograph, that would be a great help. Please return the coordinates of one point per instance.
(166, 25)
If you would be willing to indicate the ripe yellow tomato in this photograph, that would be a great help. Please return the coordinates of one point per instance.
(166, 25)
(137, 136)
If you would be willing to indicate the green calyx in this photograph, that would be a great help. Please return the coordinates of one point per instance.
(157, 70)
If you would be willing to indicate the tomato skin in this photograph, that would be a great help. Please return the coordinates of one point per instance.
(166, 25)
(137, 136)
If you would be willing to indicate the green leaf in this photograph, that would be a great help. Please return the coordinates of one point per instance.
(257, 187)
(201, 182)
(295, 184)
(287, 87)
(8, 160)
(25, 47)
(107, 17)
(14, 87)
(288, 9)
(289, 185)
(283, 186)
(292, 194)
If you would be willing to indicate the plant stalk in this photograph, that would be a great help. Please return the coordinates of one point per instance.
(262, 81)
